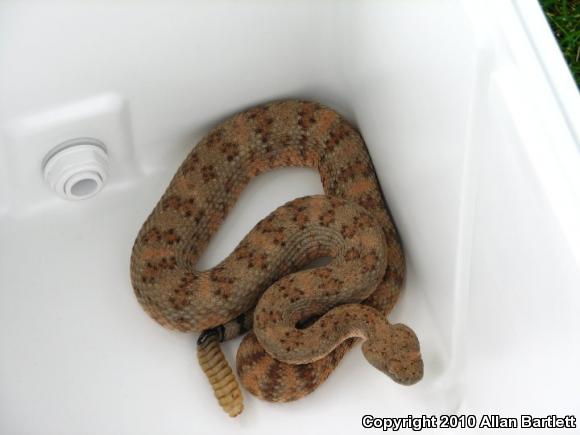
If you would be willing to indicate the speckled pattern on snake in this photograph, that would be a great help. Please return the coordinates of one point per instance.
(302, 322)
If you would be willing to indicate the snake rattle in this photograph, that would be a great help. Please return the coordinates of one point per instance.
(301, 322)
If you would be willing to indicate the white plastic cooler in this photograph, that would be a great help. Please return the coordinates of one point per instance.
(472, 121)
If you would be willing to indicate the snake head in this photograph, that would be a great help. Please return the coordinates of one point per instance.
(398, 356)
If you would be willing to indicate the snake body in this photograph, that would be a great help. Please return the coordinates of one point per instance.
(302, 322)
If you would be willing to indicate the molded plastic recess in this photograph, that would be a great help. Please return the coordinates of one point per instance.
(76, 169)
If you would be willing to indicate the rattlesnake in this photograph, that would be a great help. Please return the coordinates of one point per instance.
(303, 321)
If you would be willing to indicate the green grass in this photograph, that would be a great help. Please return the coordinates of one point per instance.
(564, 18)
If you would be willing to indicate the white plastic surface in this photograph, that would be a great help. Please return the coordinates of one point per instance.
(475, 141)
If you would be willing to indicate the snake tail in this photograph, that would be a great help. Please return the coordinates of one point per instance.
(219, 373)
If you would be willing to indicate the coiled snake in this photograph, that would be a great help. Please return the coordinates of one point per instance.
(302, 322)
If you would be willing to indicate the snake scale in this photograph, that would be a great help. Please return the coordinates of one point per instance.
(301, 322)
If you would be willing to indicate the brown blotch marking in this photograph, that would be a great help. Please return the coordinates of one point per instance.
(230, 150)
(170, 236)
(208, 173)
(190, 164)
